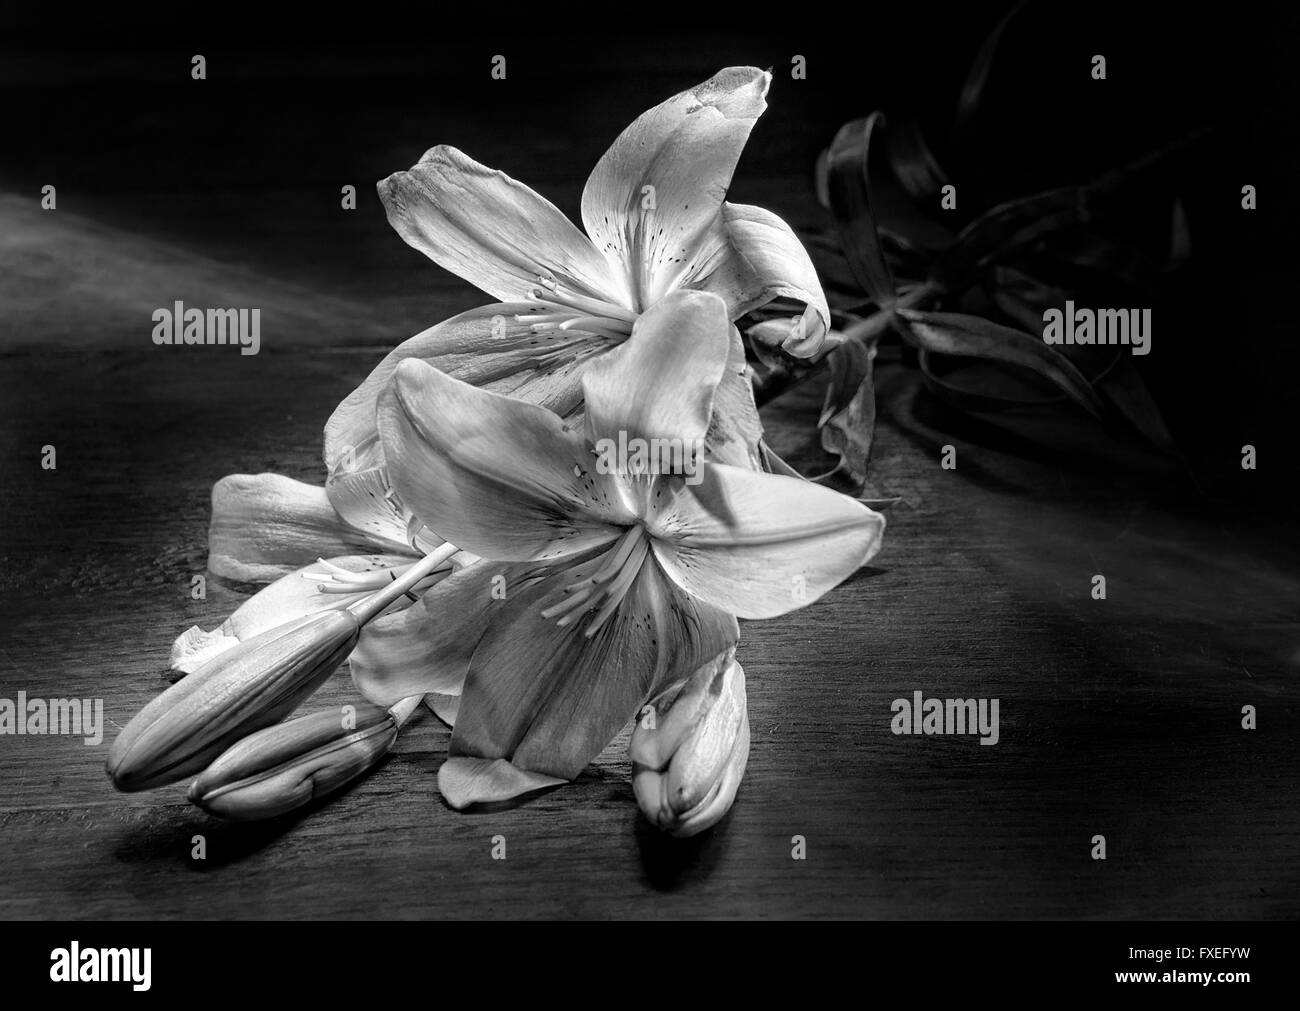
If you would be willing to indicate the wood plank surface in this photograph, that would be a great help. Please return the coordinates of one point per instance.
(1119, 717)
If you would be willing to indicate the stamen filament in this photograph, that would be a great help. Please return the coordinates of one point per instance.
(568, 604)
(371, 606)
(553, 294)
(607, 586)
(617, 590)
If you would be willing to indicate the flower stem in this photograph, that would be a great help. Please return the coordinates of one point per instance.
(370, 607)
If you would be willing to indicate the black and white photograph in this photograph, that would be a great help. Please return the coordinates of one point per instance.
(624, 464)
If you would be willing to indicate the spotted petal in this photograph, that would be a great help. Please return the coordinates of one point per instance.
(489, 229)
(752, 257)
(548, 698)
(485, 347)
(652, 198)
(502, 478)
(266, 525)
(660, 383)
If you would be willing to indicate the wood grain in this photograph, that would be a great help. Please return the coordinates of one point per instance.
(1118, 717)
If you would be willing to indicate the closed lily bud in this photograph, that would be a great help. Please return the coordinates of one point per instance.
(247, 687)
(689, 750)
(283, 767)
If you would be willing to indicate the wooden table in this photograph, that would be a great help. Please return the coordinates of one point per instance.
(1119, 717)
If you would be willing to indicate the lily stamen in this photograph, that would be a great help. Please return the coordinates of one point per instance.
(554, 296)
(538, 319)
(570, 603)
(601, 326)
(617, 589)
(566, 352)
(606, 587)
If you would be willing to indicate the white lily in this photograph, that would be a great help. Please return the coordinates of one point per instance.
(656, 222)
(567, 297)
(615, 585)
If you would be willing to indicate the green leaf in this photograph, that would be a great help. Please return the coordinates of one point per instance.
(966, 336)
(1007, 230)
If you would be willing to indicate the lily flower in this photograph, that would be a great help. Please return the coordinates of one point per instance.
(656, 222)
(510, 241)
(567, 299)
(616, 584)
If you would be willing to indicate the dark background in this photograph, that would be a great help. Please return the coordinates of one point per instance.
(1118, 717)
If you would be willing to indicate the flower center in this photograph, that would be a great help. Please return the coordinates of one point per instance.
(565, 309)
(607, 586)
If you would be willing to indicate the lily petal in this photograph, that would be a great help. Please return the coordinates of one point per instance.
(735, 432)
(428, 646)
(496, 233)
(753, 257)
(660, 383)
(759, 545)
(465, 781)
(289, 597)
(445, 707)
(550, 699)
(686, 148)
(499, 477)
(365, 500)
(485, 347)
(266, 525)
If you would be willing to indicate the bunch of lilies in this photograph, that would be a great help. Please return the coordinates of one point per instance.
(467, 553)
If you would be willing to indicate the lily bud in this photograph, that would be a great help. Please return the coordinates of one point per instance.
(801, 337)
(283, 767)
(247, 687)
(689, 750)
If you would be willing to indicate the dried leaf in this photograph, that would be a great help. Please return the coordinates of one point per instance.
(774, 464)
(849, 192)
(914, 164)
(973, 337)
(1123, 387)
(848, 420)
(1007, 230)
